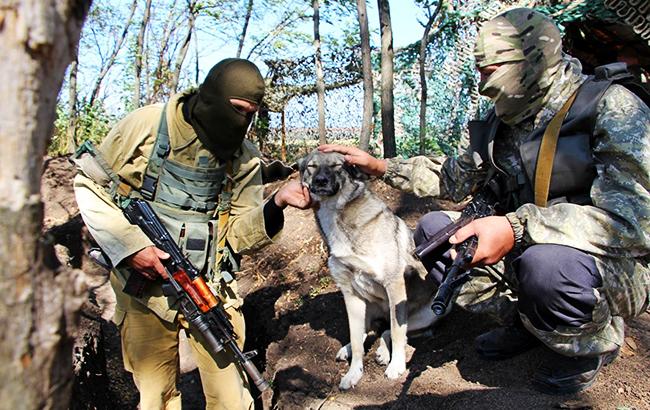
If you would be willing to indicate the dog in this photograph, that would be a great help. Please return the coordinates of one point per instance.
(371, 260)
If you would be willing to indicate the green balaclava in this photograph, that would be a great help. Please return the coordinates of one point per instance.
(220, 126)
(529, 47)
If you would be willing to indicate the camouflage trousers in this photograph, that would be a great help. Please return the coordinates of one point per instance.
(574, 302)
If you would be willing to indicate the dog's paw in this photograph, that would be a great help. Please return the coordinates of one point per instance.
(351, 378)
(344, 353)
(382, 355)
(395, 369)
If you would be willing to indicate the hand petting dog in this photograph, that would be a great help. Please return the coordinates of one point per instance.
(358, 157)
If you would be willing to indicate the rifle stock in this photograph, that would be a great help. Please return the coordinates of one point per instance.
(202, 309)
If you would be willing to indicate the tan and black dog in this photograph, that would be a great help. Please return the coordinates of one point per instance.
(370, 258)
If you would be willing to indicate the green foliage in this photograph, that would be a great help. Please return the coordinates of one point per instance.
(93, 123)
(323, 283)
(451, 80)
(452, 98)
(563, 13)
(280, 33)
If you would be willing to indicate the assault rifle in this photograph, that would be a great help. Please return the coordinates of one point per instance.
(197, 303)
(459, 271)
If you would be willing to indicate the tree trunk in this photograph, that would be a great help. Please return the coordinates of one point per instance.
(262, 122)
(139, 53)
(283, 142)
(180, 58)
(366, 66)
(320, 80)
(247, 18)
(111, 59)
(423, 78)
(39, 299)
(387, 109)
(196, 57)
(71, 133)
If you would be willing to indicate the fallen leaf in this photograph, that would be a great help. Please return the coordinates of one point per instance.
(629, 347)
(574, 405)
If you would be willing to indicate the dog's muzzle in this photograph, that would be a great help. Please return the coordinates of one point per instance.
(323, 183)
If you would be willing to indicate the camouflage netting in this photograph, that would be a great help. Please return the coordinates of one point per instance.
(290, 101)
(596, 31)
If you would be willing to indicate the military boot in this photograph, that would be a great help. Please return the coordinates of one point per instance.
(566, 375)
(505, 342)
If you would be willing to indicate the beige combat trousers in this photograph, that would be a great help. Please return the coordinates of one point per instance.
(150, 353)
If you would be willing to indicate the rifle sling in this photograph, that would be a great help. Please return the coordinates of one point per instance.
(546, 155)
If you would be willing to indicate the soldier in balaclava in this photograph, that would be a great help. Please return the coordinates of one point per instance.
(518, 55)
(566, 258)
(190, 160)
(219, 124)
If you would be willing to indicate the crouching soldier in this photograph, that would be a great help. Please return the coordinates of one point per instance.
(567, 157)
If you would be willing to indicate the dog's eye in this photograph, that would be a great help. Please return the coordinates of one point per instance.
(338, 166)
(311, 166)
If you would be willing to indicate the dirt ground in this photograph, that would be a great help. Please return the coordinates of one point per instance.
(296, 321)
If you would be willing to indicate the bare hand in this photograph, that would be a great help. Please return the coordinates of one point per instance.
(495, 239)
(355, 156)
(147, 262)
(293, 193)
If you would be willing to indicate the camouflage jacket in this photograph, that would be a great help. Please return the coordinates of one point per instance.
(618, 222)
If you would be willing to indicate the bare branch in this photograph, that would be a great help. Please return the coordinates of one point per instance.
(247, 17)
(180, 57)
(113, 56)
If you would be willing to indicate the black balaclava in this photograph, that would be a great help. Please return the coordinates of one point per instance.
(220, 126)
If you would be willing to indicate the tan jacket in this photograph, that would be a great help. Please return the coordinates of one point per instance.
(126, 149)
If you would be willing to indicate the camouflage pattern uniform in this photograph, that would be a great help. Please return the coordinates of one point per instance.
(614, 230)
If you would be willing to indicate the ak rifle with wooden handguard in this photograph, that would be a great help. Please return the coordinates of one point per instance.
(459, 271)
(201, 308)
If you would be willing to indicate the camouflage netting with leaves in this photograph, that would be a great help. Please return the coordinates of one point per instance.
(452, 99)
(291, 97)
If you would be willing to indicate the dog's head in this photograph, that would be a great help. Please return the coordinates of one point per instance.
(325, 173)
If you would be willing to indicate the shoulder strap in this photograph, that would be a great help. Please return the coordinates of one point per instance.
(92, 164)
(223, 210)
(613, 71)
(618, 73)
(159, 152)
(546, 154)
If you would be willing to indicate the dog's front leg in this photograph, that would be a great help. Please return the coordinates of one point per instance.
(356, 309)
(398, 326)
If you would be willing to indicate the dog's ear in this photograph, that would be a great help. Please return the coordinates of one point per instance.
(355, 172)
(302, 163)
(302, 166)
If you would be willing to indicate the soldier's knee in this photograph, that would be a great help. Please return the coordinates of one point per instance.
(556, 285)
(536, 269)
(429, 225)
(158, 391)
(547, 269)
